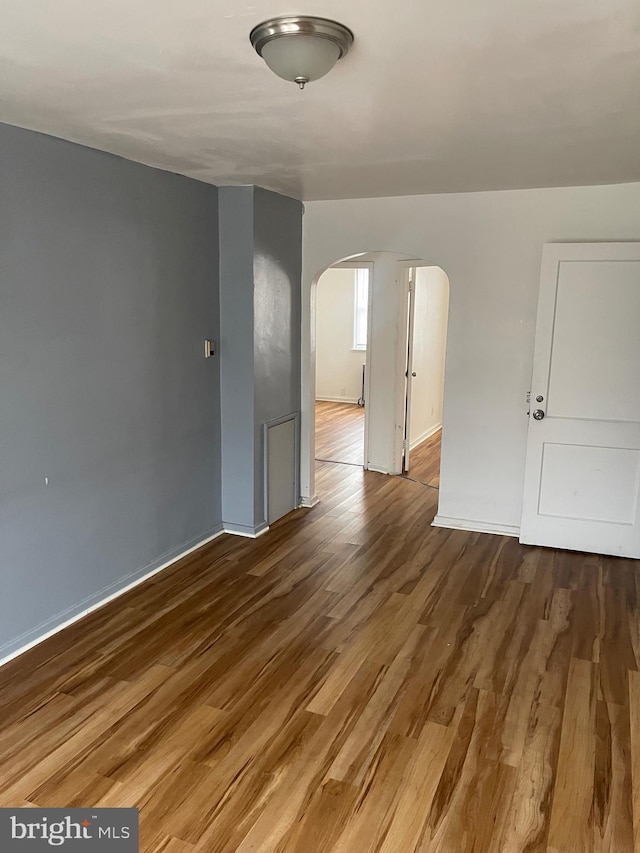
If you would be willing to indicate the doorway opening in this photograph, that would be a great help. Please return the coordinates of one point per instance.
(403, 414)
(341, 335)
(426, 294)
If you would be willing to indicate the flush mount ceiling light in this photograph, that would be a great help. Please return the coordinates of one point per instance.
(300, 48)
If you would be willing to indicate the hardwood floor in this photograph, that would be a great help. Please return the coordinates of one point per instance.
(424, 461)
(353, 681)
(340, 438)
(339, 432)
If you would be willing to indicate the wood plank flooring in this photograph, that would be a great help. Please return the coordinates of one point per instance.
(424, 460)
(340, 438)
(340, 432)
(355, 681)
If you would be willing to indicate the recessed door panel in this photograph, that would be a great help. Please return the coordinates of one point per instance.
(589, 483)
(595, 364)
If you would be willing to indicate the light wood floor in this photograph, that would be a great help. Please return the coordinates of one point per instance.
(340, 432)
(424, 460)
(353, 681)
(340, 438)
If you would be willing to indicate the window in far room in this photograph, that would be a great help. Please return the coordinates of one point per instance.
(360, 309)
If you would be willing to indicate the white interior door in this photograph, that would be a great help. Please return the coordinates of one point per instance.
(409, 372)
(582, 474)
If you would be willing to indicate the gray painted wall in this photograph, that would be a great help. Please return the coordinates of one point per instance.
(108, 287)
(236, 357)
(260, 297)
(277, 270)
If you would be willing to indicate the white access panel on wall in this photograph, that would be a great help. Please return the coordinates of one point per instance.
(582, 473)
(281, 467)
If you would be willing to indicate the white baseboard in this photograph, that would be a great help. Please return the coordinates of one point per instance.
(104, 599)
(476, 526)
(424, 436)
(245, 530)
(337, 399)
(309, 502)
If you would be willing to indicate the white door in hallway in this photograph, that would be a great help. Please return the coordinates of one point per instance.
(582, 473)
(409, 373)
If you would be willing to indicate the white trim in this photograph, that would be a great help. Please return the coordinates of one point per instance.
(359, 280)
(476, 526)
(245, 530)
(308, 502)
(108, 598)
(367, 372)
(424, 436)
(337, 399)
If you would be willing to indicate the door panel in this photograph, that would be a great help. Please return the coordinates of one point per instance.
(597, 304)
(589, 483)
(582, 473)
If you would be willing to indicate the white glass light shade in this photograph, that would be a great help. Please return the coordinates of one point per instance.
(301, 48)
(300, 57)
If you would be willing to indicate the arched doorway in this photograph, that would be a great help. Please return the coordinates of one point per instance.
(386, 413)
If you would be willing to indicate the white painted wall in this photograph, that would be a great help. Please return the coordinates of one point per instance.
(338, 365)
(489, 244)
(431, 295)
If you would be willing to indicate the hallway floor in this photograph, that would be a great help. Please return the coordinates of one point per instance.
(340, 438)
(353, 681)
(339, 432)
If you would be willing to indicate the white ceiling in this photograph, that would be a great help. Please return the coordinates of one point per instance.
(439, 96)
